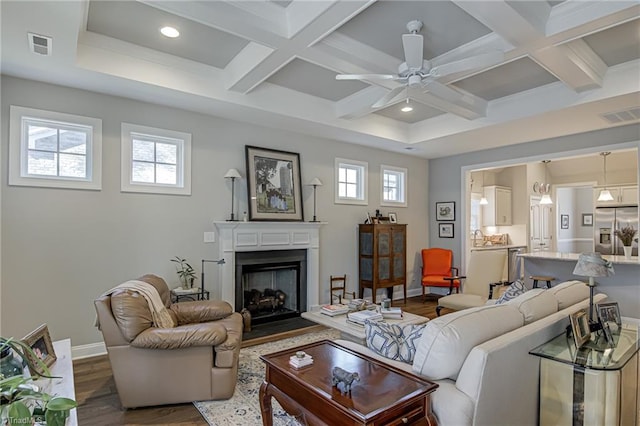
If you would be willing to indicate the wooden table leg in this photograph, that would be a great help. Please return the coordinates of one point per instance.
(265, 405)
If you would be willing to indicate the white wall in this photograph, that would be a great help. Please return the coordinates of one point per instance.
(62, 248)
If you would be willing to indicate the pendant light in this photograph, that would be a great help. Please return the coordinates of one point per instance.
(605, 195)
(483, 199)
(546, 198)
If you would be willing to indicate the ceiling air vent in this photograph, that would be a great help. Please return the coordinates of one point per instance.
(617, 117)
(40, 44)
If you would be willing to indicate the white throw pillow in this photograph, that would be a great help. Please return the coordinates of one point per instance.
(569, 293)
(535, 304)
(393, 341)
(447, 340)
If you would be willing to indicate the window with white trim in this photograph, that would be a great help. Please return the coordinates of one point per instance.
(351, 181)
(55, 150)
(155, 160)
(394, 186)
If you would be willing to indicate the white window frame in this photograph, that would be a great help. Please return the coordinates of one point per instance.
(183, 160)
(403, 174)
(19, 144)
(362, 169)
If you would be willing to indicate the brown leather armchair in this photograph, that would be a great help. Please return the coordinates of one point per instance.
(195, 361)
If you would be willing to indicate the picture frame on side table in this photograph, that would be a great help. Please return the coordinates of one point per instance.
(446, 211)
(445, 230)
(273, 184)
(39, 340)
(393, 218)
(580, 327)
(564, 221)
(609, 312)
(587, 219)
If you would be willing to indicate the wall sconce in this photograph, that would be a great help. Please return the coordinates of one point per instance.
(315, 182)
(232, 174)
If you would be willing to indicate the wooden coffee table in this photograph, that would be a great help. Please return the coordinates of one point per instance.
(384, 395)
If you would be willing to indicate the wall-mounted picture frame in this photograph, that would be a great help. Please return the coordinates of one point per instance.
(446, 211)
(274, 184)
(445, 230)
(39, 340)
(580, 327)
(587, 219)
(609, 312)
(393, 218)
(564, 221)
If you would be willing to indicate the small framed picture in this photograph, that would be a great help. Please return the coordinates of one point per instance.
(446, 211)
(587, 219)
(393, 218)
(368, 221)
(607, 334)
(580, 327)
(445, 230)
(609, 312)
(40, 343)
(564, 221)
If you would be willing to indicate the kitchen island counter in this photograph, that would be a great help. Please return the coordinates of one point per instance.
(622, 287)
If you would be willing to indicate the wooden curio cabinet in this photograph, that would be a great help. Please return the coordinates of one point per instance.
(382, 257)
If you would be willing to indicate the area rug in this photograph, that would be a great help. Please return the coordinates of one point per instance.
(243, 409)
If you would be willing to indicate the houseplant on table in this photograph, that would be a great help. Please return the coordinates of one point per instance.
(185, 271)
(626, 234)
(20, 400)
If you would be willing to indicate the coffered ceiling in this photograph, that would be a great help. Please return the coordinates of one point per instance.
(566, 63)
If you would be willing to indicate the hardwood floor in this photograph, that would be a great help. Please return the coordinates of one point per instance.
(98, 403)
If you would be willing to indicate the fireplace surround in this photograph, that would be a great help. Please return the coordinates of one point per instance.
(256, 236)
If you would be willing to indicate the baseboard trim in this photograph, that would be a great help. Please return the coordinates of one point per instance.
(87, 351)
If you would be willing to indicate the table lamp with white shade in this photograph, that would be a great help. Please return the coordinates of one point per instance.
(592, 265)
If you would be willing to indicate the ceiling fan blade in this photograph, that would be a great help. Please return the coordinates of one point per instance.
(412, 44)
(366, 77)
(388, 97)
(442, 91)
(472, 62)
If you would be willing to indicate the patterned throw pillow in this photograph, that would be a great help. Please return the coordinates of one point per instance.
(393, 341)
(515, 289)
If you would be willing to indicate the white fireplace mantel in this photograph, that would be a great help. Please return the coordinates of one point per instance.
(265, 236)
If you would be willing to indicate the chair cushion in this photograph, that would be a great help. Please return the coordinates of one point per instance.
(447, 340)
(184, 336)
(515, 289)
(437, 281)
(569, 293)
(535, 304)
(461, 301)
(393, 341)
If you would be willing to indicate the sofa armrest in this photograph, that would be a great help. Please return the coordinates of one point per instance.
(184, 336)
(201, 311)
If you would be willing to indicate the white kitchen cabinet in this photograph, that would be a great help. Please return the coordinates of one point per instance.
(622, 195)
(498, 211)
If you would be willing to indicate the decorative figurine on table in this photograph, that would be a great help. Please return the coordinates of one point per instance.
(344, 377)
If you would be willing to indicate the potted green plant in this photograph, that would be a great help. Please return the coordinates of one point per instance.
(626, 234)
(20, 400)
(185, 271)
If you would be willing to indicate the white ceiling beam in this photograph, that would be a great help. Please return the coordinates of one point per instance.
(468, 106)
(578, 18)
(359, 104)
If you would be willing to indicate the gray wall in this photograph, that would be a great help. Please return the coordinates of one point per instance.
(63, 248)
(445, 174)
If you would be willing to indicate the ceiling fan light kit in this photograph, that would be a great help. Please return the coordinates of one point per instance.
(417, 73)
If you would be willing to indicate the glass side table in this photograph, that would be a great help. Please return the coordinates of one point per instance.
(181, 295)
(594, 385)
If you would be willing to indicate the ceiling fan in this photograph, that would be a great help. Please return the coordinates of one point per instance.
(416, 72)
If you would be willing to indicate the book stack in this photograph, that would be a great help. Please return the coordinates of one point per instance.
(298, 362)
(360, 304)
(394, 312)
(360, 317)
(333, 310)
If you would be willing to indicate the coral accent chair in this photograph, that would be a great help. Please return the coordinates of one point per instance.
(436, 265)
(197, 360)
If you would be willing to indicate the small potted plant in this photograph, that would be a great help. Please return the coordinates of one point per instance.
(21, 401)
(185, 271)
(626, 234)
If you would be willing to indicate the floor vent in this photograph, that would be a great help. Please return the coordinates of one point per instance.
(622, 116)
(40, 44)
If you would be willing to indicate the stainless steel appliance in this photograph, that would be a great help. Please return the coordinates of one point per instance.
(607, 220)
(514, 267)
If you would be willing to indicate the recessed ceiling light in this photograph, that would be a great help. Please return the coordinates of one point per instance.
(169, 32)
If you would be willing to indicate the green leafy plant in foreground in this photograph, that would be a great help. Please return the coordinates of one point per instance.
(19, 396)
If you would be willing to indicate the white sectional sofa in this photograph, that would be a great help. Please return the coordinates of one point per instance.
(480, 356)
